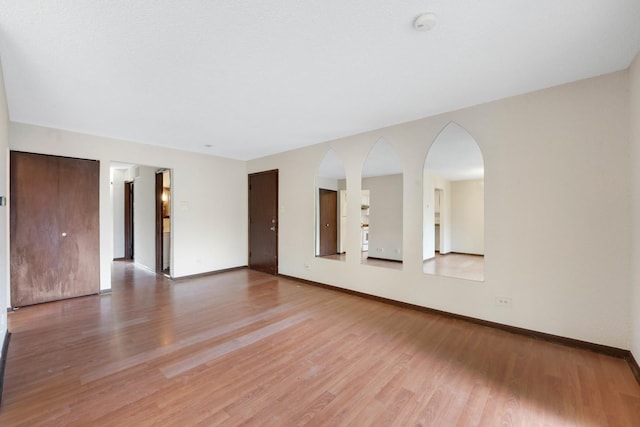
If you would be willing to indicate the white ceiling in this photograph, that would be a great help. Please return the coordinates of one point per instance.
(252, 78)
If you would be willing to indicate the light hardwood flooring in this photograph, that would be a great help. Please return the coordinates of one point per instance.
(462, 266)
(364, 259)
(245, 348)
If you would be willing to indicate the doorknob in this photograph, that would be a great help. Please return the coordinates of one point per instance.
(327, 225)
(64, 234)
(272, 228)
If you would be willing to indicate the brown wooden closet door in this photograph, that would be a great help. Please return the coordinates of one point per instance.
(78, 223)
(54, 228)
(34, 235)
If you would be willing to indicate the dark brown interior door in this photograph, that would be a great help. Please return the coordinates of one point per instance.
(263, 221)
(128, 220)
(35, 235)
(54, 228)
(79, 223)
(328, 222)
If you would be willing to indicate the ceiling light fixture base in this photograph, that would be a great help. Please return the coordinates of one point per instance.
(425, 21)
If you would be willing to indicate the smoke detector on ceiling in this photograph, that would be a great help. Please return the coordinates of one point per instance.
(425, 21)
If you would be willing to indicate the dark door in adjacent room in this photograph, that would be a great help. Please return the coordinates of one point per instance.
(128, 220)
(55, 241)
(328, 201)
(158, 201)
(163, 221)
(263, 221)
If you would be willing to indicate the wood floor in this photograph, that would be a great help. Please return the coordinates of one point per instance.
(364, 259)
(462, 266)
(245, 348)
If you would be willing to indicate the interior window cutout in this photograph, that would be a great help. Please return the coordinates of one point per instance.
(331, 208)
(381, 208)
(453, 206)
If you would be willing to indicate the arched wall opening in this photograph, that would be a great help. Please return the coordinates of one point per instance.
(453, 206)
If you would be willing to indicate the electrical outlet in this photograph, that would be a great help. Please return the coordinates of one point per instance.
(503, 301)
(380, 250)
(307, 266)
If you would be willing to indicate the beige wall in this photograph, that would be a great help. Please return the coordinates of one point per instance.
(117, 203)
(144, 217)
(467, 216)
(385, 216)
(634, 115)
(557, 214)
